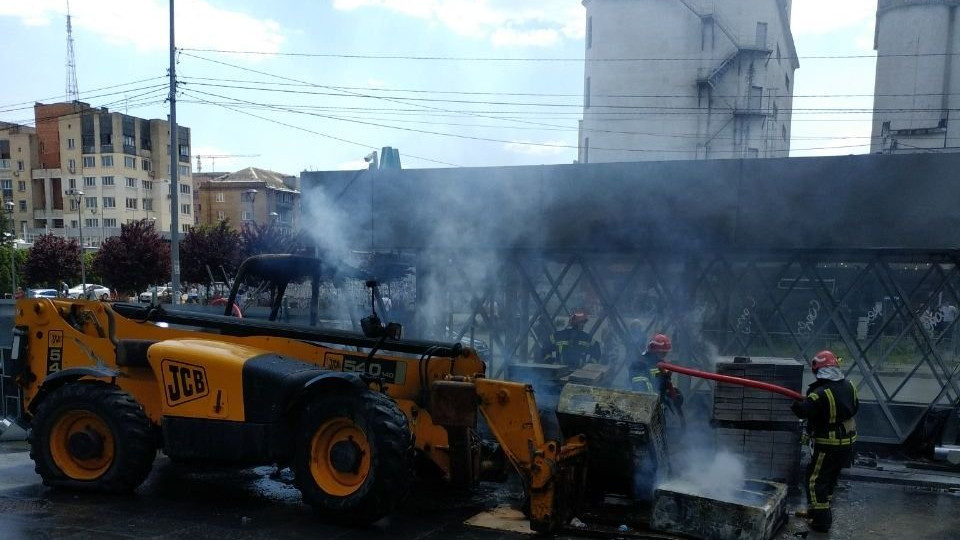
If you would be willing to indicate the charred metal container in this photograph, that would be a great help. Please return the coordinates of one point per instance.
(627, 447)
(755, 511)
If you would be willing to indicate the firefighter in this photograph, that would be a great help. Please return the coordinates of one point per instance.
(645, 376)
(572, 346)
(829, 409)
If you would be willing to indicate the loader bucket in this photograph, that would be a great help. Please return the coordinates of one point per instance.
(625, 434)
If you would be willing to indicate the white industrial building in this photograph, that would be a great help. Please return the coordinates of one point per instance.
(918, 77)
(687, 79)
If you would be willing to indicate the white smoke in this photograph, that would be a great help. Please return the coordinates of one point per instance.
(719, 475)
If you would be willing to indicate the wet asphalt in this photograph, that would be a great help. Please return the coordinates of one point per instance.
(178, 503)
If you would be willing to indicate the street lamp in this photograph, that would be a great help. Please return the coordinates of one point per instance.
(78, 197)
(13, 250)
(251, 196)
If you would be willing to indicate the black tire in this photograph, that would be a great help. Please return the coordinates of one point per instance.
(107, 408)
(387, 472)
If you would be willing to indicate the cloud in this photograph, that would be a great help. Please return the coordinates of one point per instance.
(533, 148)
(142, 24)
(816, 17)
(526, 23)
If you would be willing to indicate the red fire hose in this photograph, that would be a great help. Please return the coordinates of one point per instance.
(732, 380)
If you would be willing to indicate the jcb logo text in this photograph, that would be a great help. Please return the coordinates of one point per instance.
(183, 382)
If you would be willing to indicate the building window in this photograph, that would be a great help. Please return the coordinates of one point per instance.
(19, 164)
(21, 185)
(23, 206)
(89, 161)
(91, 222)
(185, 227)
(90, 181)
(131, 182)
(586, 93)
(107, 180)
(148, 205)
(184, 150)
(220, 197)
(128, 141)
(185, 189)
(589, 32)
(72, 183)
(90, 202)
(148, 185)
(71, 144)
(106, 161)
(109, 202)
(221, 215)
(246, 215)
(130, 162)
(72, 164)
(131, 204)
(109, 222)
(7, 186)
(73, 224)
(145, 164)
(185, 209)
(184, 170)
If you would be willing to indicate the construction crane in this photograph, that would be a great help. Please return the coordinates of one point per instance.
(213, 159)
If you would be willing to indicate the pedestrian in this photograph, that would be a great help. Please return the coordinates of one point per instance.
(829, 409)
(645, 376)
(572, 346)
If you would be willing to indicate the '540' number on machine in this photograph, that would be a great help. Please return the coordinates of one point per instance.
(390, 370)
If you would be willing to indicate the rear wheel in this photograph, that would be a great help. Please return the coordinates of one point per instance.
(92, 435)
(354, 456)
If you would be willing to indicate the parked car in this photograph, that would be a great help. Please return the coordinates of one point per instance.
(94, 291)
(163, 294)
(42, 293)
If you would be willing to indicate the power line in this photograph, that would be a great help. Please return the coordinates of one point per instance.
(485, 139)
(540, 94)
(546, 59)
(108, 87)
(324, 135)
(151, 88)
(145, 99)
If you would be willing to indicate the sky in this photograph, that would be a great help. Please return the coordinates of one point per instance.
(336, 79)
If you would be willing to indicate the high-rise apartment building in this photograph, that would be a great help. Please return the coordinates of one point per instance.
(687, 79)
(918, 77)
(101, 169)
(19, 154)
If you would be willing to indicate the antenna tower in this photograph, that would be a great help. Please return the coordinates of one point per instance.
(73, 93)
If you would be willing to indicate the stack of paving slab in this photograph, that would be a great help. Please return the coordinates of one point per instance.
(759, 425)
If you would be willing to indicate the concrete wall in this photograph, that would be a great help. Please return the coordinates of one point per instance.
(918, 76)
(656, 110)
(833, 202)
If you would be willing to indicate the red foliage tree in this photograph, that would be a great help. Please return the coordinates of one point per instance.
(136, 259)
(212, 246)
(52, 261)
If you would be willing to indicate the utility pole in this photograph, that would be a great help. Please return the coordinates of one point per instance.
(174, 170)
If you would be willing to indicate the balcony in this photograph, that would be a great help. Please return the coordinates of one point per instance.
(47, 214)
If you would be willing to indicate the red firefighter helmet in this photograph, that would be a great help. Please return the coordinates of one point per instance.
(660, 343)
(824, 359)
(579, 317)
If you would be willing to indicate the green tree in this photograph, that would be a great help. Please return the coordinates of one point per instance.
(19, 261)
(136, 259)
(52, 261)
(212, 246)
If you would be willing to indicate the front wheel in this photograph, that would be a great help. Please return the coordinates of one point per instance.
(354, 456)
(92, 435)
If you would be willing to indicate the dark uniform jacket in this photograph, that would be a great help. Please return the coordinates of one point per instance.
(572, 348)
(829, 409)
(645, 376)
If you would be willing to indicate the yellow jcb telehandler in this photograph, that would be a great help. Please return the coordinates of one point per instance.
(105, 385)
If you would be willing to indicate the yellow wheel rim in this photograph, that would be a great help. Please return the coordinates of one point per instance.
(339, 457)
(82, 445)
